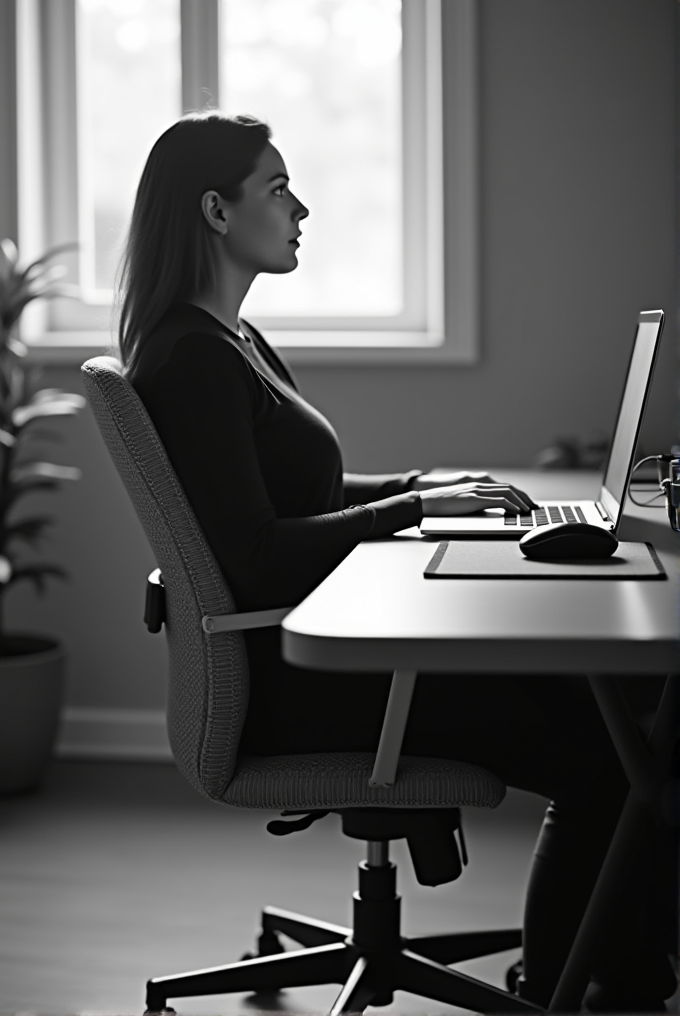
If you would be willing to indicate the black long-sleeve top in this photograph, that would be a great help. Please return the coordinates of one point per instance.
(263, 471)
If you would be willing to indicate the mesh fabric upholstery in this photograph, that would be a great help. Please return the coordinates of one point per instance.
(340, 780)
(208, 680)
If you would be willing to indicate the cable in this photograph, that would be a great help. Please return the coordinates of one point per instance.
(664, 457)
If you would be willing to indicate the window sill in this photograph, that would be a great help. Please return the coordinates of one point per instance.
(349, 349)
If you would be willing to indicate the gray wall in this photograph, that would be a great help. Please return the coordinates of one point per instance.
(578, 196)
(8, 121)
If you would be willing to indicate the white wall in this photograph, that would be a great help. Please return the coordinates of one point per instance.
(578, 195)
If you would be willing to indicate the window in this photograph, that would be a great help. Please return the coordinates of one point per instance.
(327, 75)
(356, 95)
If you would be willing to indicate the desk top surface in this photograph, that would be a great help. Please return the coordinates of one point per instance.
(377, 611)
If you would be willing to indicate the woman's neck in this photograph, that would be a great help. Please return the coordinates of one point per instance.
(224, 300)
(230, 319)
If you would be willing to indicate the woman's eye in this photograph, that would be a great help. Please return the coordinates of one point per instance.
(281, 188)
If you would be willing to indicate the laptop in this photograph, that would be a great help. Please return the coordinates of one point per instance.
(608, 510)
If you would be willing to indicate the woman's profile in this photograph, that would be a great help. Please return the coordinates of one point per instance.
(263, 471)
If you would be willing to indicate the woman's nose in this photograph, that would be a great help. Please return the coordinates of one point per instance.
(302, 212)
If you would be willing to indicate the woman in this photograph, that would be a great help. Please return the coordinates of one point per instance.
(263, 471)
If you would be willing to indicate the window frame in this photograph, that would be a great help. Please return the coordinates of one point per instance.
(441, 222)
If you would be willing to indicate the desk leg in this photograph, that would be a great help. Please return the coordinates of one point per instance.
(394, 725)
(642, 798)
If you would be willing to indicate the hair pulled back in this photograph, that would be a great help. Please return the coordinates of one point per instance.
(166, 255)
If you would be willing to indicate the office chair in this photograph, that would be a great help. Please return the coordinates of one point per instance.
(207, 703)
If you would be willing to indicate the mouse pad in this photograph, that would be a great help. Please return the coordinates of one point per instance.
(502, 559)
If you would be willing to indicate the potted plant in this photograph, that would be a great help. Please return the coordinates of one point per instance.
(32, 666)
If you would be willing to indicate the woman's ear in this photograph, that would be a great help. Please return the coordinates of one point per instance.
(214, 209)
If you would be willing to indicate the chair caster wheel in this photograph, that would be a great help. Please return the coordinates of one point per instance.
(512, 976)
(268, 944)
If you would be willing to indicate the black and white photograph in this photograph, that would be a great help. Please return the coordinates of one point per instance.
(339, 507)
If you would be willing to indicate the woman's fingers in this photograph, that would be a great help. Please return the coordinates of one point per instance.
(529, 500)
(480, 483)
(516, 495)
(464, 498)
(504, 502)
(494, 493)
(482, 501)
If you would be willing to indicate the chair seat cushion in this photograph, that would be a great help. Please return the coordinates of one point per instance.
(340, 780)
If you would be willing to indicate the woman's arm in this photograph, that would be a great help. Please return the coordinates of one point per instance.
(360, 488)
(204, 407)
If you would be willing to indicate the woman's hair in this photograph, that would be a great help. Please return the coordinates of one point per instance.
(166, 255)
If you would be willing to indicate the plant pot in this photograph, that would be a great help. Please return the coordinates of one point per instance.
(32, 674)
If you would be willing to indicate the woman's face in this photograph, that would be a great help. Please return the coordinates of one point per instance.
(260, 232)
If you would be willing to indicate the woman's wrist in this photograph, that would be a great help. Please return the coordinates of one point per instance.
(412, 478)
(427, 481)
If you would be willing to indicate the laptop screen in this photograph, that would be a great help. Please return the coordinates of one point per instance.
(631, 411)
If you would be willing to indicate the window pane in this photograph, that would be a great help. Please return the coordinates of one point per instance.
(326, 76)
(129, 92)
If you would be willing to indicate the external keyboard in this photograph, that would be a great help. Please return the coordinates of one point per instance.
(544, 516)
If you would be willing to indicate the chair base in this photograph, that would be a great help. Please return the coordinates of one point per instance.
(370, 961)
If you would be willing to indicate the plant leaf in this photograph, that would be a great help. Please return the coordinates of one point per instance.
(34, 282)
(5, 570)
(36, 573)
(32, 469)
(41, 435)
(59, 289)
(29, 530)
(8, 258)
(66, 406)
(46, 394)
(49, 254)
(18, 347)
(25, 487)
(49, 273)
(7, 439)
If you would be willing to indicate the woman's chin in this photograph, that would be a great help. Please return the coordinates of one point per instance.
(289, 265)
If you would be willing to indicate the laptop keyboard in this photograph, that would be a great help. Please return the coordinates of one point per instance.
(544, 516)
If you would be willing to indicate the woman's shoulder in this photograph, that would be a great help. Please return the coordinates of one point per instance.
(184, 320)
(187, 358)
(186, 335)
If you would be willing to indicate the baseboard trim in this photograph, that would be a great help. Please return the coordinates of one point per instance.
(138, 735)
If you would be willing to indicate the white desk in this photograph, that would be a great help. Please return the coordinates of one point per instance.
(376, 612)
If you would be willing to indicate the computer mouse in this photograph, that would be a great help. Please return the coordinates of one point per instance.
(568, 541)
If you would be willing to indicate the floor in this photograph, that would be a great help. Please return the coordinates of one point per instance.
(117, 872)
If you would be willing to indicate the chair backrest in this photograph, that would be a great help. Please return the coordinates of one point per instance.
(208, 679)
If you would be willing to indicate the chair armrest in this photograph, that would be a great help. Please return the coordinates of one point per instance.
(154, 612)
(394, 725)
(401, 689)
(247, 619)
(398, 703)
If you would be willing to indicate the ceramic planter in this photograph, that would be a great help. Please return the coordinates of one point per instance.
(32, 674)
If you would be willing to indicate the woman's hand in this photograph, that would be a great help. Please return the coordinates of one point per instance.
(466, 498)
(427, 480)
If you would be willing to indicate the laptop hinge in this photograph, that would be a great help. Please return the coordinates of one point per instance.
(602, 512)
